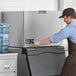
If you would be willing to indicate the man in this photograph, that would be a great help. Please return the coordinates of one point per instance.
(69, 32)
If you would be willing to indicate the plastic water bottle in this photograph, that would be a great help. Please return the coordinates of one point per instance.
(4, 37)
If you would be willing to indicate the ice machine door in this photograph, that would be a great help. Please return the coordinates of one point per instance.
(46, 61)
(40, 25)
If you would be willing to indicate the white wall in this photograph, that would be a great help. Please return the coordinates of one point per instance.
(6, 5)
(70, 3)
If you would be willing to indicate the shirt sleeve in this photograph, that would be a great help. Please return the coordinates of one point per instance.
(62, 34)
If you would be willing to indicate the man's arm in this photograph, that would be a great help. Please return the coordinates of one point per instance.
(42, 42)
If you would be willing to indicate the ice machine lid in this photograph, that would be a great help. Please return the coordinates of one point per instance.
(31, 45)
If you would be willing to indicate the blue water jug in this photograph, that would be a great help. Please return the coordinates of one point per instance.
(4, 37)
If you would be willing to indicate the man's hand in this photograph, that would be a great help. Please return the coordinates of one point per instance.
(42, 42)
(36, 43)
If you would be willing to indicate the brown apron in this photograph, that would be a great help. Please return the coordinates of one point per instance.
(69, 68)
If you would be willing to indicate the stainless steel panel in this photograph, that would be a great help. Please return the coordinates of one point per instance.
(15, 20)
(41, 24)
(0, 16)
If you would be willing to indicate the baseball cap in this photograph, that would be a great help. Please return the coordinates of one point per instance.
(68, 12)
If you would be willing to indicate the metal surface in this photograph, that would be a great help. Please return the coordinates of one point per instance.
(31, 25)
(16, 20)
(41, 24)
(0, 16)
(46, 61)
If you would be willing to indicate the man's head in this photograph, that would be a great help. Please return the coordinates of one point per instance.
(68, 14)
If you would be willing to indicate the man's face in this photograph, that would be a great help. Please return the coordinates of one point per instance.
(68, 19)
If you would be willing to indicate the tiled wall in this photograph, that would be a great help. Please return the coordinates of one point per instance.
(6, 5)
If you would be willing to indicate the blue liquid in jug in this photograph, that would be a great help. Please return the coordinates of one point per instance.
(4, 37)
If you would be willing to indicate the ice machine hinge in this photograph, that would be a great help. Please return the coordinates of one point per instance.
(42, 11)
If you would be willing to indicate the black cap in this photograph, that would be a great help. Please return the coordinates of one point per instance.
(68, 12)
